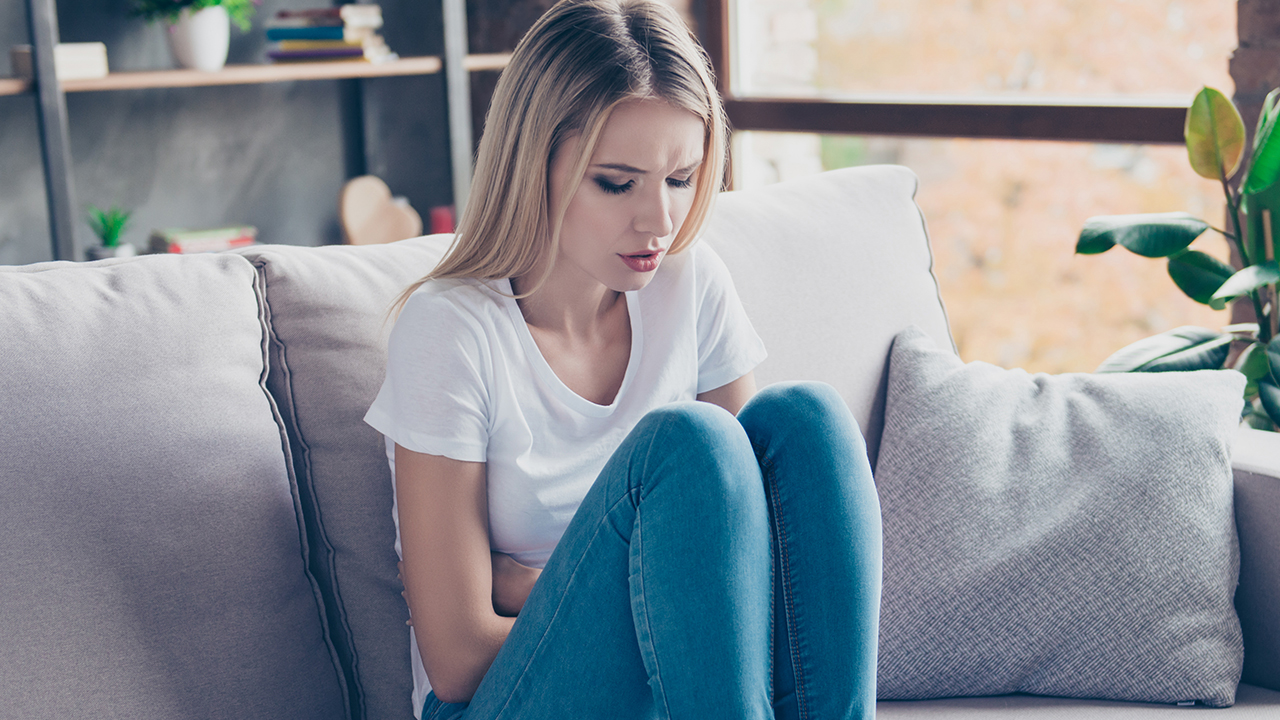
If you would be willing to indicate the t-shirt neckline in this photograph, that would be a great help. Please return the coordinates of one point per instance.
(543, 368)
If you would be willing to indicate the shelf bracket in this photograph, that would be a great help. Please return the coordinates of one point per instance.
(457, 82)
(55, 139)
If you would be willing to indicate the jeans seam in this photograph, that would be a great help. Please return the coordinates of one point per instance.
(784, 568)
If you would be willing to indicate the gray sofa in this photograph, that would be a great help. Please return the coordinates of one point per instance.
(196, 523)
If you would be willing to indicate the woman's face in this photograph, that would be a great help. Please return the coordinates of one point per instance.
(634, 197)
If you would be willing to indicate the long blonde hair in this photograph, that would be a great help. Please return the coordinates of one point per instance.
(574, 66)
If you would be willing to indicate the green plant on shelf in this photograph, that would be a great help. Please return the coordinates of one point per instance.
(1215, 136)
(108, 224)
(240, 11)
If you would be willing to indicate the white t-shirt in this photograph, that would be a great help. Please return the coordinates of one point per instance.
(466, 380)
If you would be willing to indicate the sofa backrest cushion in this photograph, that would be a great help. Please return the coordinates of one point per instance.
(328, 356)
(830, 268)
(152, 564)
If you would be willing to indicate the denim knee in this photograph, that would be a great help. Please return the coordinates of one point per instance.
(697, 436)
(806, 403)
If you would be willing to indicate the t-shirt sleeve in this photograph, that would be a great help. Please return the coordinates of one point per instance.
(728, 346)
(434, 398)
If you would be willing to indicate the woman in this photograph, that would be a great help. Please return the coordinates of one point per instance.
(580, 539)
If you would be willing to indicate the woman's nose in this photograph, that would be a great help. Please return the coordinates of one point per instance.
(653, 216)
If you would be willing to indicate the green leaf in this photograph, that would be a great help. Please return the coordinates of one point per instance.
(1273, 357)
(1214, 134)
(1254, 204)
(1269, 394)
(1253, 362)
(1092, 242)
(1264, 165)
(1150, 235)
(1248, 280)
(1198, 275)
(1184, 348)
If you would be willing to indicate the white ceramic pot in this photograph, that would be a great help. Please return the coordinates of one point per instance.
(123, 250)
(200, 40)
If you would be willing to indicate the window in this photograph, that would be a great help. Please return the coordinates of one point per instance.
(1022, 118)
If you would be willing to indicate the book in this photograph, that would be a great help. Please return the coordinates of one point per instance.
(177, 240)
(304, 22)
(351, 15)
(371, 54)
(71, 61)
(319, 33)
(290, 45)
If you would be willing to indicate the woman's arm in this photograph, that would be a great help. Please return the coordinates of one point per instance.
(448, 570)
(733, 396)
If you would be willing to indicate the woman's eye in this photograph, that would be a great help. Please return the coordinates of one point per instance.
(614, 189)
(678, 183)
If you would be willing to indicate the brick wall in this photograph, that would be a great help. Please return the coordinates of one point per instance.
(1255, 65)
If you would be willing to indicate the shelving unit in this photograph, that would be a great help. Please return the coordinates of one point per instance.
(254, 74)
(54, 127)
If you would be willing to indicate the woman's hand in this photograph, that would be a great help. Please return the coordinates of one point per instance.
(512, 583)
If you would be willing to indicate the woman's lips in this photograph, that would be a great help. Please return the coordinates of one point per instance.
(642, 262)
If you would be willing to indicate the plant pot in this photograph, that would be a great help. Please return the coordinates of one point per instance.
(200, 40)
(99, 252)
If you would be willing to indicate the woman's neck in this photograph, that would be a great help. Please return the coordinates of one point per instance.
(573, 307)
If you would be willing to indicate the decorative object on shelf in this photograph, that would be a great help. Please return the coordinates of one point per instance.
(71, 61)
(1215, 136)
(370, 215)
(347, 32)
(177, 240)
(108, 225)
(199, 31)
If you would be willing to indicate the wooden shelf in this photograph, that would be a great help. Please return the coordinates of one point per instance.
(14, 86)
(254, 74)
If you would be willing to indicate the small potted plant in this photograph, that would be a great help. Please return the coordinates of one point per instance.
(1215, 136)
(199, 31)
(108, 225)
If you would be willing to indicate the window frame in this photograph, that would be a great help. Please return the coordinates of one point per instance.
(1121, 120)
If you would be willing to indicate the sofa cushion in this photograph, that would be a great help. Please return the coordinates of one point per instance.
(829, 268)
(1252, 703)
(329, 319)
(152, 561)
(1066, 535)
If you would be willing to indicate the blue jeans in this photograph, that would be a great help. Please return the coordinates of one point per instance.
(719, 567)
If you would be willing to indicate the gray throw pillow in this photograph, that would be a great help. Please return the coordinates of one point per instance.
(1066, 535)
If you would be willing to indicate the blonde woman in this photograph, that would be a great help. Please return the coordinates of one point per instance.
(586, 529)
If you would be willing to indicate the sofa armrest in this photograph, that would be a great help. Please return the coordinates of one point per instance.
(1256, 461)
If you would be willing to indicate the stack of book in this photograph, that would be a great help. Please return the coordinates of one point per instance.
(198, 241)
(347, 32)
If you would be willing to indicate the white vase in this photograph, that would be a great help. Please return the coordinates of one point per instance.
(200, 40)
(123, 250)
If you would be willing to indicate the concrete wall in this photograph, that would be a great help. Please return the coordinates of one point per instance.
(267, 155)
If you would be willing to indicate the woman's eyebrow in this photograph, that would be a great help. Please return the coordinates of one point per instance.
(623, 167)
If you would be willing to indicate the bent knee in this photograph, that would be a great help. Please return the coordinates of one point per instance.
(694, 421)
(706, 442)
(806, 400)
(799, 410)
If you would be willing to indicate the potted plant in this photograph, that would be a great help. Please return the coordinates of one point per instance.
(199, 31)
(1215, 137)
(108, 225)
